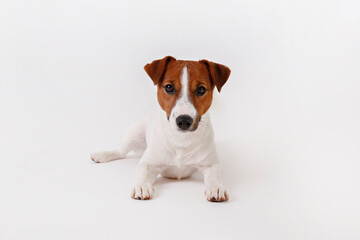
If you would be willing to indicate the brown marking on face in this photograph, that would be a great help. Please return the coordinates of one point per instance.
(201, 74)
(199, 77)
(171, 76)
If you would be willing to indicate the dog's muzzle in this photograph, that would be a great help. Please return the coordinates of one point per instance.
(184, 122)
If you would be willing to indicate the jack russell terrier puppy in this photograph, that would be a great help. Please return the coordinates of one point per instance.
(177, 139)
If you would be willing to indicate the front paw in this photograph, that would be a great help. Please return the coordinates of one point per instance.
(216, 194)
(142, 191)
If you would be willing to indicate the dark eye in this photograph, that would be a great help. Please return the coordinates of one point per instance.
(169, 88)
(200, 91)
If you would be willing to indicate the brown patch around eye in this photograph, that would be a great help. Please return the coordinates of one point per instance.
(172, 77)
(199, 78)
(200, 91)
(169, 88)
(166, 100)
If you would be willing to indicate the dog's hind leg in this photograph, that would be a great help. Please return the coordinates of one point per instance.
(134, 140)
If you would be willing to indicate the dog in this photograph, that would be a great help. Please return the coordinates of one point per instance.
(177, 139)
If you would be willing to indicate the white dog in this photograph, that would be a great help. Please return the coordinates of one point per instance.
(177, 139)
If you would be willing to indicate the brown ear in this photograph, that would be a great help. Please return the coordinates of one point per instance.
(219, 73)
(156, 69)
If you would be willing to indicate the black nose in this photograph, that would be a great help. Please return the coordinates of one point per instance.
(184, 121)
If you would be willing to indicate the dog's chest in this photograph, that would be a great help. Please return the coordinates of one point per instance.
(182, 157)
(182, 162)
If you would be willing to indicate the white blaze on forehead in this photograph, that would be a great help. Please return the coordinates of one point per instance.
(184, 84)
(183, 105)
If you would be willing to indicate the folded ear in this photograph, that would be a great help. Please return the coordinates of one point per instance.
(156, 69)
(219, 73)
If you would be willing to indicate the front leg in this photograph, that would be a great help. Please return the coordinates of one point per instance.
(145, 177)
(215, 191)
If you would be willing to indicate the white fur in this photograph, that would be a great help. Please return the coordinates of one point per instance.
(169, 152)
(183, 106)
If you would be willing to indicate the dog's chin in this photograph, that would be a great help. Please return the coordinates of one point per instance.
(186, 131)
(193, 128)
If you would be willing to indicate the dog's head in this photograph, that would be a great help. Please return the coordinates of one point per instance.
(185, 88)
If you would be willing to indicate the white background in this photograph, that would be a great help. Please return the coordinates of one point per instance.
(286, 123)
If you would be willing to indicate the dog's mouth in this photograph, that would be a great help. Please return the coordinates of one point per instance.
(189, 130)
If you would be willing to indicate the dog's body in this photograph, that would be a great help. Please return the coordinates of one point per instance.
(176, 139)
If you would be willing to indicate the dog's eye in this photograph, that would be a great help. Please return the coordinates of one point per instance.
(200, 91)
(169, 88)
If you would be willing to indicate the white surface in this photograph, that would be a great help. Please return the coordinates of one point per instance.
(286, 123)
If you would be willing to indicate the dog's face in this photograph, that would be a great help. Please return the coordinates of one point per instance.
(185, 88)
